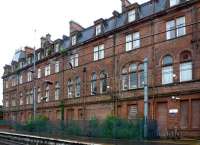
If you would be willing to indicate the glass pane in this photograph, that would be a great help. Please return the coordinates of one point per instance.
(167, 75)
(133, 80)
(186, 71)
(128, 42)
(136, 40)
(170, 28)
(180, 25)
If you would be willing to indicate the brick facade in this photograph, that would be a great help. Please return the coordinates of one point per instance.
(181, 96)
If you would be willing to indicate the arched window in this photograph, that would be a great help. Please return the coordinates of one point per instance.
(185, 66)
(103, 82)
(57, 91)
(77, 87)
(69, 88)
(167, 70)
(125, 79)
(141, 75)
(47, 93)
(94, 84)
(133, 76)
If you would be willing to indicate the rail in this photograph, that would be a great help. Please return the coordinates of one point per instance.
(23, 139)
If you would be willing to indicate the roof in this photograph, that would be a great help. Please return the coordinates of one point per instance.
(144, 10)
(18, 55)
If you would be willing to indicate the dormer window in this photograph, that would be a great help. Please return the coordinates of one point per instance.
(56, 47)
(74, 40)
(131, 15)
(98, 29)
(174, 2)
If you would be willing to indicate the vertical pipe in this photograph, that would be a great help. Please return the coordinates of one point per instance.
(34, 88)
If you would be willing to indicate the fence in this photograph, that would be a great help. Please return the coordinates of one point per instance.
(110, 128)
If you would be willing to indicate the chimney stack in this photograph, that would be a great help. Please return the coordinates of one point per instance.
(125, 3)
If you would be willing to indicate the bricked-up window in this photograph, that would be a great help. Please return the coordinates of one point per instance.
(77, 87)
(39, 72)
(103, 82)
(131, 15)
(48, 70)
(39, 95)
(184, 114)
(57, 66)
(98, 52)
(174, 2)
(167, 70)
(73, 40)
(175, 28)
(132, 41)
(185, 66)
(132, 112)
(47, 93)
(57, 91)
(93, 84)
(196, 114)
(74, 60)
(141, 75)
(98, 29)
(29, 76)
(70, 88)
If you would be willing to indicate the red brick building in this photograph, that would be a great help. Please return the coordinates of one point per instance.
(98, 71)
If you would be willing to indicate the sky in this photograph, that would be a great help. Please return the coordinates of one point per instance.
(20, 18)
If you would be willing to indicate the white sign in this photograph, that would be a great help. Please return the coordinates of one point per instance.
(173, 111)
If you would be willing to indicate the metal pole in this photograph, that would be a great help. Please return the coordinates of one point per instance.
(34, 88)
(145, 97)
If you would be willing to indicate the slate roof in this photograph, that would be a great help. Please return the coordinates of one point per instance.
(18, 55)
(144, 10)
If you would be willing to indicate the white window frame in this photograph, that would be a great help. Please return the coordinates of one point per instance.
(20, 79)
(47, 70)
(98, 29)
(174, 2)
(99, 52)
(74, 40)
(131, 15)
(57, 91)
(39, 73)
(57, 66)
(133, 41)
(74, 60)
(167, 75)
(29, 76)
(186, 71)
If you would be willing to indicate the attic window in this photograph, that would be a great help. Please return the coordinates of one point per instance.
(98, 29)
(74, 40)
(174, 2)
(131, 15)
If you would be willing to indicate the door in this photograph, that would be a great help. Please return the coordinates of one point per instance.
(162, 118)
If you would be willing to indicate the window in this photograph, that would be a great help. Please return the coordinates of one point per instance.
(7, 103)
(13, 103)
(174, 2)
(29, 76)
(39, 95)
(98, 29)
(73, 40)
(31, 97)
(56, 47)
(47, 94)
(27, 98)
(186, 67)
(133, 76)
(125, 79)
(141, 76)
(20, 79)
(98, 52)
(175, 28)
(57, 66)
(94, 84)
(70, 88)
(77, 87)
(38, 56)
(39, 73)
(47, 70)
(57, 91)
(6, 84)
(131, 16)
(167, 70)
(74, 60)
(132, 41)
(103, 82)
(21, 101)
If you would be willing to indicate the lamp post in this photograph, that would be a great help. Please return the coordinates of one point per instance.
(146, 98)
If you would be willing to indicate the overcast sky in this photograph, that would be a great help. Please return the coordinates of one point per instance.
(19, 19)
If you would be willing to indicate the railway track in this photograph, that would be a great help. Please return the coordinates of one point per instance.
(7, 138)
